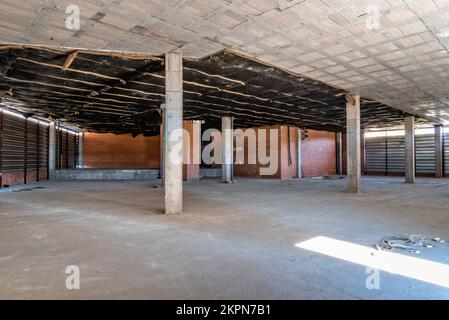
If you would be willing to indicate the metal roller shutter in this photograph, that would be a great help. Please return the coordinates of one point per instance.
(77, 141)
(446, 152)
(24, 148)
(43, 147)
(425, 153)
(13, 143)
(32, 144)
(376, 154)
(63, 149)
(71, 148)
(395, 154)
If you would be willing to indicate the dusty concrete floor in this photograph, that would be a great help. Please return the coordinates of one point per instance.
(233, 241)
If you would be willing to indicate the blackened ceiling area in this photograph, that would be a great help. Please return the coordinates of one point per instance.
(122, 92)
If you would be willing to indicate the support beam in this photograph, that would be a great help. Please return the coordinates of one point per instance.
(410, 149)
(439, 167)
(228, 149)
(173, 127)
(81, 150)
(339, 152)
(353, 143)
(51, 148)
(299, 155)
(163, 144)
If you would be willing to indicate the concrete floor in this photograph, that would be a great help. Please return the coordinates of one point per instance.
(232, 242)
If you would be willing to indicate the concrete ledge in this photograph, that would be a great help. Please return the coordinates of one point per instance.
(104, 174)
(210, 173)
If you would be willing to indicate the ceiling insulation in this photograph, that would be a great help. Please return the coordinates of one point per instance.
(122, 93)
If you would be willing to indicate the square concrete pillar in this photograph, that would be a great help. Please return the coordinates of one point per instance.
(227, 132)
(174, 134)
(162, 146)
(439, 141)
(353, 143)
(81, 150)
(410, 149)
(51, 148)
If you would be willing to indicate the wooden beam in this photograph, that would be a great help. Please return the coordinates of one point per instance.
(69, 60)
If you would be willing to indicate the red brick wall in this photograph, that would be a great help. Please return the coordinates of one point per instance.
(253, 170)
(18, 177)
(245, 169)
(105, 150)
(319, 154)
(191, 171)
(289, 154)
(12, 178)
(31, 176)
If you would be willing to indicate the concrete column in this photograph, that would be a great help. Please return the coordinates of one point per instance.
(410, 149)
(163, 139)
(439, 168)
(339, 152)
(173, 127)
(353, 143)
(299, 155)
(51, 148)
(228, 149)
(81, 150)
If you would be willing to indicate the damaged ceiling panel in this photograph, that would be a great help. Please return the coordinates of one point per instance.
(122, 92)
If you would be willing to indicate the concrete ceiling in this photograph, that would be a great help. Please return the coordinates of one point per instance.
(404, 63)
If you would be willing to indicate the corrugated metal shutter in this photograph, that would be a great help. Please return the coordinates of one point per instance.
(71, 148)
(13, 154)
(63, 149)
(32, 145)
(24, 148)
(376, 154)
(446, 153)
(395, 154)
(77, 141)
(43, 147)
(425, 153)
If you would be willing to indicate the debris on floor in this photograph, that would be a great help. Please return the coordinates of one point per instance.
(331, 177)
(412, 242)
(28, 189)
